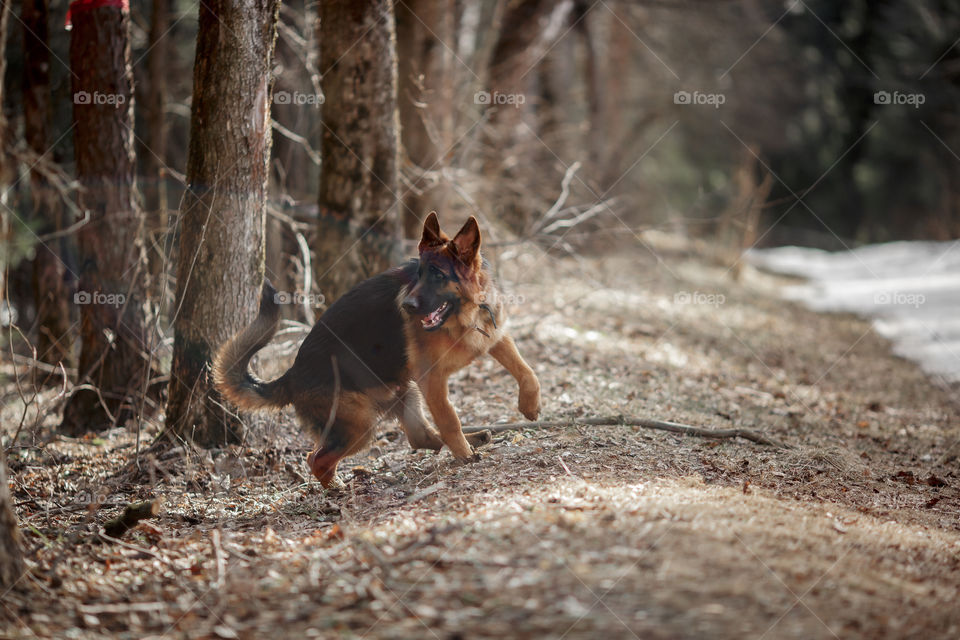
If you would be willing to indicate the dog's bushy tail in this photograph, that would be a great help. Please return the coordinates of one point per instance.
(231, 374)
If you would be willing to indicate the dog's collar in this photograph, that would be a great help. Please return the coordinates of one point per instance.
(493, 319)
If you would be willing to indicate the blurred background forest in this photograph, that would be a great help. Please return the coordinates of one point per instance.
(799, 84)
(577, 125)
(580, 126)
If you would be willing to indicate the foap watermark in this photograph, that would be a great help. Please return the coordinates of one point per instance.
(90, 498)
(899, 299)
(297, 98)
(297, 298)
(99, 298)
(97, 98)
(698, 97)
(698, 297)
(898, 97)
(507, 299)
(497, 98)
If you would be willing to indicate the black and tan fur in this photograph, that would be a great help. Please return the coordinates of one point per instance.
(376, 352)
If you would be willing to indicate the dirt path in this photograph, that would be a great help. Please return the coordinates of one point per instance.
(576, 533)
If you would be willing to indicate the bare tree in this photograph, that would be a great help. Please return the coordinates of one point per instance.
(221, 255)
(154, 156)
(527, 31)
(49, 284)
(358, 228)
(426, 33)
(11, 555)
(114, 326)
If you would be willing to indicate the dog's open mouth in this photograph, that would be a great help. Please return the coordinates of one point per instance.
(435, 318)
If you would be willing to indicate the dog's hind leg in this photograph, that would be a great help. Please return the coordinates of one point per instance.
(350, 431)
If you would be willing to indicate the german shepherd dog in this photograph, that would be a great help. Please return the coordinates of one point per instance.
(385, 342)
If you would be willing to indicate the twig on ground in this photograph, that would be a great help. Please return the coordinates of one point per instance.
(122, 607)
(645, 423)
(218, 556)
(147, 552)
(132, 514)
(423, 493)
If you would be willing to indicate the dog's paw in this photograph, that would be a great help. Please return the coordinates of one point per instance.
(334, 484)
(529, 403)
(473, 457)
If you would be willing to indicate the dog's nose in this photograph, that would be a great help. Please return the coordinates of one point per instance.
(410, 305)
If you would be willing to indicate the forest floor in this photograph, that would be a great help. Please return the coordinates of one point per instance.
(579, 532)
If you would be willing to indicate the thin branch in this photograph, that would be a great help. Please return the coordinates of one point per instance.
(307, 276)
(645, 423)
(65, 232)
(300, 140)
(564, 194)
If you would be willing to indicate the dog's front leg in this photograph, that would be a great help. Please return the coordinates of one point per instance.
(505, 352)
(434, 388)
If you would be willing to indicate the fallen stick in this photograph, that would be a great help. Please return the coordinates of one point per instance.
(645, 423)
(132, 514)
(122, 607)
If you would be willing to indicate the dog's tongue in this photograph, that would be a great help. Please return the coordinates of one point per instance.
(434, 316)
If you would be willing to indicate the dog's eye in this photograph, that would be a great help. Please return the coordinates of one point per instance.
(436, 275)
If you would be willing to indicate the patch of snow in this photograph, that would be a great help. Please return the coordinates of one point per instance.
(910, 290)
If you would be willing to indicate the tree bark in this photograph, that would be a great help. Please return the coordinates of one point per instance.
(114, 326)
(426, 32)
(586, 26)
(618, 58)
(556, 92)
(11, 553)
(358, 225)
(50, 291)
(155, 153)
(221, 255)
(528, 29)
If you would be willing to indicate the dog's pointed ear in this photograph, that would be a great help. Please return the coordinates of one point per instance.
(432, 235)
(467, 241)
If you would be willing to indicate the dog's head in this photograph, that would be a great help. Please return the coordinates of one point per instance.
(449, 275)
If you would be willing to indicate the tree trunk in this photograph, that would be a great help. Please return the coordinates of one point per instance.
(11, 554)
(358, 226)
(113, 317)
(49, 284)
(586, 26)
(556, 93)
(619, 55)
(155, 152)
(425, 30)
(528, 29)
(221, 254)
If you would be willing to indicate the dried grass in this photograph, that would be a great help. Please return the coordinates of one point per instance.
(576, 532)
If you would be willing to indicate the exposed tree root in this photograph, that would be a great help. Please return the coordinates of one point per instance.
(132, 514)
(645, 423)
